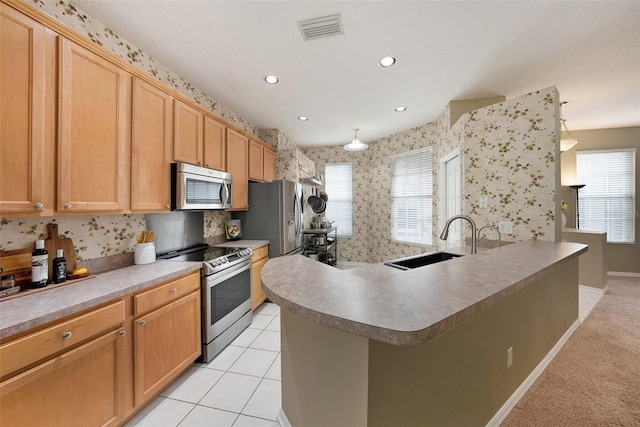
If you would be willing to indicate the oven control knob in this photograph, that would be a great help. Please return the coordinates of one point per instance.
(216, 262)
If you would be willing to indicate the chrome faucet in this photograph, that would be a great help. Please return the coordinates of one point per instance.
(493, 228)
(445, 232)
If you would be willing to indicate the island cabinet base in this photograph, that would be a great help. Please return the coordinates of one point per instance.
(331, 377)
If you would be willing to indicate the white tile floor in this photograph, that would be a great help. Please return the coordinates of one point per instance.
(241, 386)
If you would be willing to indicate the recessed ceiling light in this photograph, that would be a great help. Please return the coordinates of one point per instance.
(303, 118)
(401, 109)
(271, 80)
(387, 61)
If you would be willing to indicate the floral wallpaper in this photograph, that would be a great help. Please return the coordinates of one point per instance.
(93, 236)
(508, 155)
(511, 158)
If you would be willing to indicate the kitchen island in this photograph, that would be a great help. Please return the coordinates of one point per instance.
(377, 345)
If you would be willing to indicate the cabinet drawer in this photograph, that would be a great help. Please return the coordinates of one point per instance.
(39, 345)
(163, 294)
(260, 253)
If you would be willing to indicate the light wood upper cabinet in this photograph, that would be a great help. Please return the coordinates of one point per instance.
(27, 108)
(238, 167)
(215, 144)
(256, 161)
(188, 134)
(94, 132)
(151, 145)
(269, 164)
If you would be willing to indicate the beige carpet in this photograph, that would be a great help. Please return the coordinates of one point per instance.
(595, 378)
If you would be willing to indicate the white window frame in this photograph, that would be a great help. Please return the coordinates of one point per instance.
(402, 195)
(598, 186)
(340, 199)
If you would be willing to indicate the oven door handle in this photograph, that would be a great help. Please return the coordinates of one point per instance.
(217, 278)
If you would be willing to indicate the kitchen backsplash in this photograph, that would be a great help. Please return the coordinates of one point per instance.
(93, 236)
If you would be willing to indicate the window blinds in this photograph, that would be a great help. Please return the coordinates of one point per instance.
(412, 194)
(607, 201)
(338, 186)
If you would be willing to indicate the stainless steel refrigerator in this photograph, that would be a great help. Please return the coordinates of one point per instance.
(275, 214)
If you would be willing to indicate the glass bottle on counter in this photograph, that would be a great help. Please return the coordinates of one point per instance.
(59, 267)
(39, 266)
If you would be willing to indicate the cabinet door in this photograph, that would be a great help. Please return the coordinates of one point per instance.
(215, 144)
(82, 387)
(26, 166)
(269, 164)
(166, 342)
(238, 167)
(187, 140)
(151, 143)
(256, 161)
(257, 294)
(94, 124)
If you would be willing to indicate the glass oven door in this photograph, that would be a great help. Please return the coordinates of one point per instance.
(227, 298)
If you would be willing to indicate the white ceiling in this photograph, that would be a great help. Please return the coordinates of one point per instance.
(446, 51)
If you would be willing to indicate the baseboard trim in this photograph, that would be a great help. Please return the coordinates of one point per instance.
(282, 419)
(599, 291)
(622, 273)
(533, 376)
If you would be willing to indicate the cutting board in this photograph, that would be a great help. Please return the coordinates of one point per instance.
(55, 242)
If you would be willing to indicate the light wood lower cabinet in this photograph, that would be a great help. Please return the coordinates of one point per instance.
(81, 386)
(166, 340)
(100, 367)
(257, 262)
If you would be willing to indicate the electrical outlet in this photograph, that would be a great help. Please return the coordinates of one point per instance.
(509, 357)
(484, 203)
(505, 227)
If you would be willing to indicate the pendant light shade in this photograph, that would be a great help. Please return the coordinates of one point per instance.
(568, 143)
(356, 145)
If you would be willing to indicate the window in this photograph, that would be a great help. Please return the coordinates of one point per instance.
(607, 201)
(338, 184)
(412, 197)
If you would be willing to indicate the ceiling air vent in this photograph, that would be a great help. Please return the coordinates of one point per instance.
(326, 26)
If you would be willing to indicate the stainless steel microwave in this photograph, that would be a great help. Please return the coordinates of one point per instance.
(198, 188)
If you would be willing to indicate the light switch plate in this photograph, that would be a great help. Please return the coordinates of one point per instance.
(505, 227)
(484, 203)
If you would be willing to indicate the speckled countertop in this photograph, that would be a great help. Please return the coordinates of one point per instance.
(253, 244)
(409, 307)
(23, 313)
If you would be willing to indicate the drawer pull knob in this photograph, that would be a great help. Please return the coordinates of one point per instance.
(122, 333)
(67, 205)
(66, 335)
(174, 290)
(39, 206)
(142, 322)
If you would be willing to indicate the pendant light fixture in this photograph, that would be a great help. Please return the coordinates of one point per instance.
(566, 144)
(356, 145)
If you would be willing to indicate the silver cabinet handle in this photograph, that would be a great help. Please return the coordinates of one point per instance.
(122, 333)
(174, 290)
(38, 206)
(67, 206)
(142, 322)
(66, 335)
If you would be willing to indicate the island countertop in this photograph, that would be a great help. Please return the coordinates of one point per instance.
(409, 307)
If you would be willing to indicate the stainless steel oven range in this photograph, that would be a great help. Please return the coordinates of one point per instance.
(226, 293)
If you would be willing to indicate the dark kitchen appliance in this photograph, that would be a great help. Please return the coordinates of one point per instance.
(275, 214)
(226, 277)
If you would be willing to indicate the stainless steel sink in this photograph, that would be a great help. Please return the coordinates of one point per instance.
(421, 260)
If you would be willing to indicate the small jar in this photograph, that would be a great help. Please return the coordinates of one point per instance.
(8, 281)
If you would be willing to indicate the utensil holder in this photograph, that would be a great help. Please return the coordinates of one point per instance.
(145, 253)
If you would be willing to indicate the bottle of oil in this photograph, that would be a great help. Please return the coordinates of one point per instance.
(59, 267)
(39, 266)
